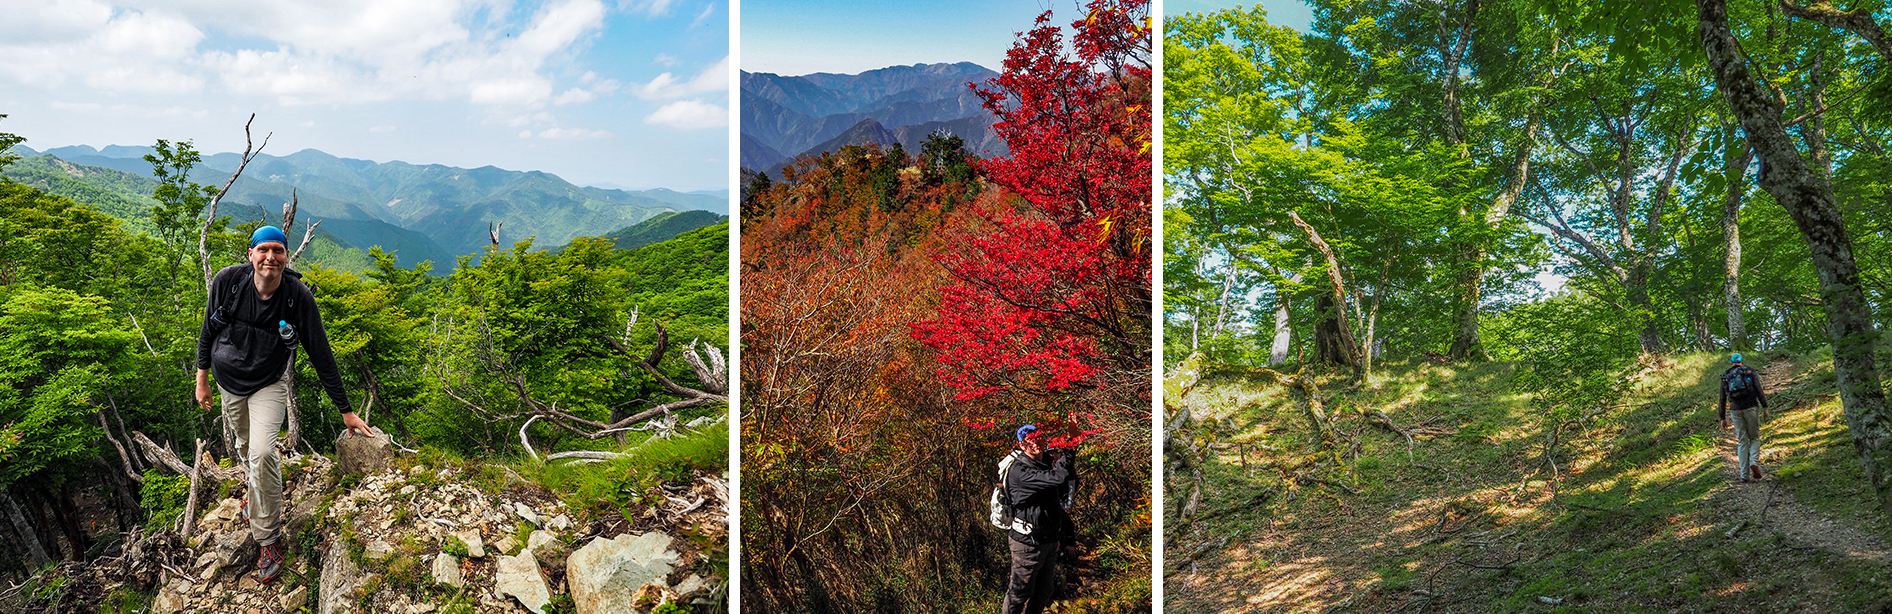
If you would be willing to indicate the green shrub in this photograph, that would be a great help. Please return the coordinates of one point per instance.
(163, 498)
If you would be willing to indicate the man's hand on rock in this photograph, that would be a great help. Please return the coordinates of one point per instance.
(355, 423)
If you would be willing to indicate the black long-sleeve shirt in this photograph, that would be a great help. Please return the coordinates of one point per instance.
(1759, 398)
(1039, 492)
(249, 353)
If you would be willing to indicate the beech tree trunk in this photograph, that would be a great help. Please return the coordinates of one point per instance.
(1731, 235)
(1283, 333)
(1465, 343)
(1808, 198)
(30, 538)
(1333, 336)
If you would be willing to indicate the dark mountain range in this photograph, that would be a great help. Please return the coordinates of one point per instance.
(757, 155)
(786, 117)
(975, 131)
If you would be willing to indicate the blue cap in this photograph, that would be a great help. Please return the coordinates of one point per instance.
(1026, 431)
(267, 234)
(1735, 358)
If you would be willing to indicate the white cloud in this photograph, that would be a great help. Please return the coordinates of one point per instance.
(712, 79)
(573, 96)
(307, 123)
(61, 105)
(703, 17)
(122, 51)
(335, 52)
(666, 60)
(573, 133)
(689, 114)
(525, 134)
(650, 8)
(381, 129)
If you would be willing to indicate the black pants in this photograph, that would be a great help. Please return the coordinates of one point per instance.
(1034, 577)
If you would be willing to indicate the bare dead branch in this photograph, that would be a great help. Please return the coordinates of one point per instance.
(210, 216)
(190, 506)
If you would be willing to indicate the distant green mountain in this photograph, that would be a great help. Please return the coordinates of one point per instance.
(663, 227)
(127, 196)
(684, 283)
(392, 204)
(453, 206)
(116, 193)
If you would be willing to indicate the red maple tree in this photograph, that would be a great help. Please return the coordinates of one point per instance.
(1056, 301)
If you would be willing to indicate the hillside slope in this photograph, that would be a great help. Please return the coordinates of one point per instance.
(431, 532)
(1500, 503)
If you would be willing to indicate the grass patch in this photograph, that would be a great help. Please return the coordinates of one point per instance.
(1634, 518)
(621, 485)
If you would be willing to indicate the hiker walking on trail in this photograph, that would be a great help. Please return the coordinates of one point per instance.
(1742, 387)
(254, 317)
(1040, 484)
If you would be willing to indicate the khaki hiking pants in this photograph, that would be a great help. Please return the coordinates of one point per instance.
(257, 419)
(1747, 431)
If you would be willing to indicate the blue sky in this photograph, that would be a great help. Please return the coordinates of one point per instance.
(617, 93)
(797, 37)
(1290, 13)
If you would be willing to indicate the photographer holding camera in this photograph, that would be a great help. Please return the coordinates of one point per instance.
(1041, 486)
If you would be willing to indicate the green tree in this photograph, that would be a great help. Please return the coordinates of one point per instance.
(181, 202)
(58, 351)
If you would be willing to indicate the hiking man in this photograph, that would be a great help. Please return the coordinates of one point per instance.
(255, 315)
(1041, 486)
(1742, 386)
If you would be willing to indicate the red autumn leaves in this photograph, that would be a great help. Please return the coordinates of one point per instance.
(1055, 302)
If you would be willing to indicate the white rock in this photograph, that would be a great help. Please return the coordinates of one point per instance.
(506, 544)
(172, 599)
(338, 578)
(525, 511)
(474, 547)
(519, 577)
(605, 575)
(691, 584)
(293, 601)
(228, 509)
(378, 550)
(559, 523)
(538, 538)
(447, 570)
(408, 490)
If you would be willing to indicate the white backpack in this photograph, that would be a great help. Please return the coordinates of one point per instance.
(1001, 501)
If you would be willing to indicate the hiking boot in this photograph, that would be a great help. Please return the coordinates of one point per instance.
(269, 562)
(1755, 471)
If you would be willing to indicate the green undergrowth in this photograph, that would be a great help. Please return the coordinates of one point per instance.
(1507, 501)
(623, 485)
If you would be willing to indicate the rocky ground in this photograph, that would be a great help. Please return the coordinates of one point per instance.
(406, 537)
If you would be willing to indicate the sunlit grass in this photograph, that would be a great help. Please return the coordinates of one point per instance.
(1632, 520)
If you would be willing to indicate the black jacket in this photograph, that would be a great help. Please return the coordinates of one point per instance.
(1743, 402)
(1039, 492)
(249, 353)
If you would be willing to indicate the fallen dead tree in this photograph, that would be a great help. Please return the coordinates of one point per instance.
(705, 361)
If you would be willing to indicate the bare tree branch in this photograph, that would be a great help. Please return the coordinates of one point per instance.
(210, 216)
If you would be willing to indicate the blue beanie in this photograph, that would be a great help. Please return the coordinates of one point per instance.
(267, 234)
(1735, 358)
(1026, 431)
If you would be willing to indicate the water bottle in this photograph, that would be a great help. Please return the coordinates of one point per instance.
(288, 333)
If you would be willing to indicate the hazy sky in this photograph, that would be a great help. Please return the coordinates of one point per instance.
(797, 37)
(630, 93)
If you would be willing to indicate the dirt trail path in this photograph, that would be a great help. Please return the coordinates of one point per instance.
(1769, 506)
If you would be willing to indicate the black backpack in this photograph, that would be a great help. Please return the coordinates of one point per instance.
(1738, 382)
